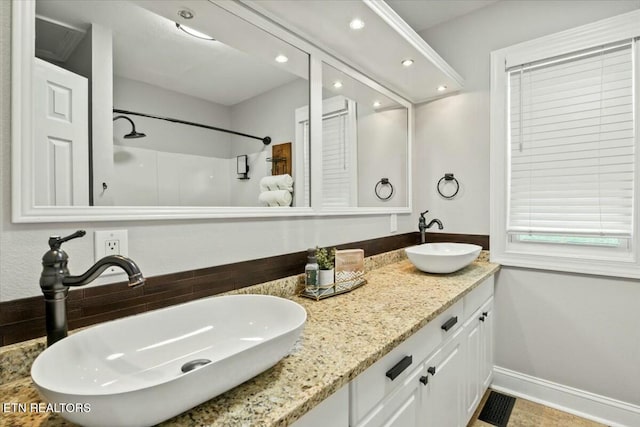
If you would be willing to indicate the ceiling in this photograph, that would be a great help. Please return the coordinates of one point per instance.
(424, 14)
(148, 47)
(377, 50)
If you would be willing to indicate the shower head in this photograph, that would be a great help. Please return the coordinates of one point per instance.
(133, 134)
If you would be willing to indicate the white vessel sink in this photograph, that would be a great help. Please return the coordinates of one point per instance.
(442, 257)
(129, 370)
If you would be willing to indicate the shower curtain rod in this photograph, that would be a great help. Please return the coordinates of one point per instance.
(266, 140)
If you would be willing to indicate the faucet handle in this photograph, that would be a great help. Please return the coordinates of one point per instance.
(423, 213)
(56, 241)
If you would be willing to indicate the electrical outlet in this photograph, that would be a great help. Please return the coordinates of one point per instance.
(393, 223)
(112, 247)
(110, 242)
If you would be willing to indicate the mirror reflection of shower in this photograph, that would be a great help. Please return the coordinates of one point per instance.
(133, 134)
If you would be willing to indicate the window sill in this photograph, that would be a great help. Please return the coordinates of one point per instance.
(624, 269)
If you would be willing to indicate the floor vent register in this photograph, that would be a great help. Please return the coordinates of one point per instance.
(497, 409)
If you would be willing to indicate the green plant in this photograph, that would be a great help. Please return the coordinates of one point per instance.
(326, 258)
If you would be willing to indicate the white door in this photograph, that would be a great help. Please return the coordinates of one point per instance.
(61, 148)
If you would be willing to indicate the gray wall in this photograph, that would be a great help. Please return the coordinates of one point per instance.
(579, 331)
(382, 153)
(142, 97)
(269, 114)
(158, 246)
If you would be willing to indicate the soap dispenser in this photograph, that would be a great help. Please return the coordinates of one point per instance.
(311, 272)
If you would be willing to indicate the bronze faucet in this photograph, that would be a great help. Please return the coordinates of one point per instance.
(422, 225)
(55, 281)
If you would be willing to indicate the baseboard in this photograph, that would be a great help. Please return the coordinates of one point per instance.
(605, 410)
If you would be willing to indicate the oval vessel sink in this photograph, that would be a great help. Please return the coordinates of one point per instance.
(144, 369)
(442, 257)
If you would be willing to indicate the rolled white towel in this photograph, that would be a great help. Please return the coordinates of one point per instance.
(276, 198)
(277, 182)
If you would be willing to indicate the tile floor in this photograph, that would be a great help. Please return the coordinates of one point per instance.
(529, 414)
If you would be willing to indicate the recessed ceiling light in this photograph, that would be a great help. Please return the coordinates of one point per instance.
(356, 24)
(194, 33)
(407, 62)
(376, 104)
(281, 59)
(337, 84)
(442, 88)
(185, 13)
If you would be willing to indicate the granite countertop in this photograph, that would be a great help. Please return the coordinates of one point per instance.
(344, 335)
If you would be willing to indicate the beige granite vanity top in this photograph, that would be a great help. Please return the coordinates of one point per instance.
(344, 335)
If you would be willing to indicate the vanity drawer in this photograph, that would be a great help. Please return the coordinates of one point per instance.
(374, 384)
(474, 299)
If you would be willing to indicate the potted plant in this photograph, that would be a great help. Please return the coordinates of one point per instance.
(326, 262)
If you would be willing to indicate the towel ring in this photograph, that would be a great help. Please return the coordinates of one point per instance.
(448, 177)
(379, 185)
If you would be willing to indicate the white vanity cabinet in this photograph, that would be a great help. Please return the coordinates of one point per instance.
(450, 371)
(443, 398)
(402, 408)
(487, 328)
(435, 378)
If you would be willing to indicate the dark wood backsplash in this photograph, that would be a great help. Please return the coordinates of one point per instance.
(23, 319)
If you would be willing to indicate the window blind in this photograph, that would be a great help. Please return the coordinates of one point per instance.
(336, 185)
(571, 128)
(336, 162)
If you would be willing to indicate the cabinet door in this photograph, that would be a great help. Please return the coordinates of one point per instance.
(443, 396)
(333, 411)
(402, 408)
(473, 354)
(486, 340)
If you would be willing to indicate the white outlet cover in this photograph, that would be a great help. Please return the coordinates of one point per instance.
(100, 239)
(393, 223)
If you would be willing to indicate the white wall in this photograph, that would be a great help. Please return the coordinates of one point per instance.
(145, 177)
(101, 112)
(175, 164)
(575, 330)
(165, 136)
(158, 246)
(269, 114)
(382, 153)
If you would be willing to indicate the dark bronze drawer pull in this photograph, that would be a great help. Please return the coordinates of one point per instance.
(449, 323)
(393, 373)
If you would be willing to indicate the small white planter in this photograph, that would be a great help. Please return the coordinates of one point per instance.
(326, 277)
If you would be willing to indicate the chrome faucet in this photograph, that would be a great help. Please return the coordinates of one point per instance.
(422, 225)
(55, 281)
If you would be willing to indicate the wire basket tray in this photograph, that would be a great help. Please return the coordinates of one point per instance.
(333, 289)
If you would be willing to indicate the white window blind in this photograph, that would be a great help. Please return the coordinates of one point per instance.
(336, 162)
(571, 147)
(336, 172)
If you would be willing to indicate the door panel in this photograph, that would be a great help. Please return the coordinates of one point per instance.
(61, 150)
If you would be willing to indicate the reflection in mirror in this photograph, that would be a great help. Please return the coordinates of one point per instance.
(132, 108)
(365, 145)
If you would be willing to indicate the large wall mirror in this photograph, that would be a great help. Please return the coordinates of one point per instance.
(167, 107)
(143, 109)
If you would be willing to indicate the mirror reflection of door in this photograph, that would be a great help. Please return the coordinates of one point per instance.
(61, 136)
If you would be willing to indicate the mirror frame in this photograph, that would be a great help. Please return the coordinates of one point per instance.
(24, 209)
